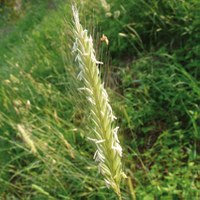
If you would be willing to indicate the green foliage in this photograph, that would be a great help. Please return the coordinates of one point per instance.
(163, 100)
(158, 76)
(145, 25)
(154, 90)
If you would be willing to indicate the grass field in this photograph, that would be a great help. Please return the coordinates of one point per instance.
(151, 71)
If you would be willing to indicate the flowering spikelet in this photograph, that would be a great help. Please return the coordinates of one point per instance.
(23, 133)
(105, 5)
(109, 152)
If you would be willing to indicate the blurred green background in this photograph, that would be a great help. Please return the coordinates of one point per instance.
(152, 75)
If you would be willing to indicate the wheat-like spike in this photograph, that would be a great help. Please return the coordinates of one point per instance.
(25, 135)
(109, 152)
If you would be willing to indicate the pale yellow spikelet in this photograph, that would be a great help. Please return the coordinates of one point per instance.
(109, 152)
(68, 146)
(105, 5)
(25, 136)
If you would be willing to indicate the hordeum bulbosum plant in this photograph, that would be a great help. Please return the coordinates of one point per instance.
(109, 152)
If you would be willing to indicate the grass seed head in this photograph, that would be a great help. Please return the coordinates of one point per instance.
(109, 152)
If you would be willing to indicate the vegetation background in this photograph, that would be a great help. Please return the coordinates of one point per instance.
(152, 74)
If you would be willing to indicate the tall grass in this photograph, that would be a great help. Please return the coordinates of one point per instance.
(154, 88)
